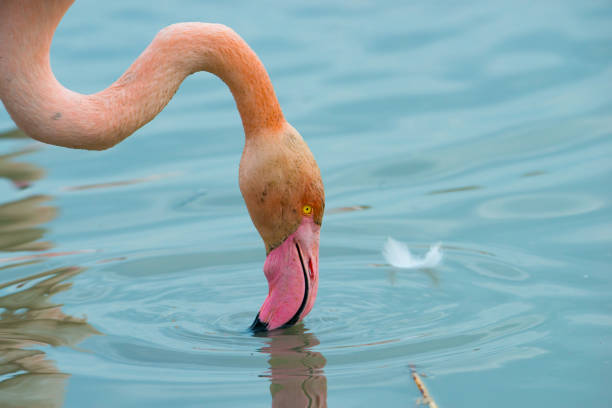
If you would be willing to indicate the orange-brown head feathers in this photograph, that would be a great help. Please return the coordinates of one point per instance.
(281, 184)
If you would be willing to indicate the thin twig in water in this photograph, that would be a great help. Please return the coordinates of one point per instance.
(426, 398)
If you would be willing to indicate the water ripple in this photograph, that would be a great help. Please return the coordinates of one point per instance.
(528, 206)
(189, 324)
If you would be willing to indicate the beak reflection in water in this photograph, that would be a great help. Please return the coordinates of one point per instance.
(296, 371)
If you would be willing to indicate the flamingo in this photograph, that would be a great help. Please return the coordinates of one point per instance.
(279, 178)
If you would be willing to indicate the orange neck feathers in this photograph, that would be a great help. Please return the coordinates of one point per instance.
(48, 112)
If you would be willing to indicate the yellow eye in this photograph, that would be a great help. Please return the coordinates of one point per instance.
(307, 210)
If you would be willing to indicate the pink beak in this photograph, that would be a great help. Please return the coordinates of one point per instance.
(292, 270)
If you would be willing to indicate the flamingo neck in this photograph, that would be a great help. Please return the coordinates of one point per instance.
(48, 112)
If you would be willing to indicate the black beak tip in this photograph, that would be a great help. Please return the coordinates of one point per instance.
(258, 326)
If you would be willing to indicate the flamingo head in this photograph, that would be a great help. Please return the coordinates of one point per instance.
(281, 185)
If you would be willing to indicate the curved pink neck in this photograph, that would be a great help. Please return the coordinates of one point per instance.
(48, 112)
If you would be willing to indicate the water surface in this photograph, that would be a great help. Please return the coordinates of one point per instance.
(128, 277)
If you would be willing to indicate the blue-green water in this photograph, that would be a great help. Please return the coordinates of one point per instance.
(484, 125)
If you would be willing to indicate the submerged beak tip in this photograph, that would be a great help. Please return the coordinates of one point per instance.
(258, 326)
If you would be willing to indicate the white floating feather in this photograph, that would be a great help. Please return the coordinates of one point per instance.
(397, 254)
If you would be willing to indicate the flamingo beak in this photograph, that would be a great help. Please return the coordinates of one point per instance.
(292, 270)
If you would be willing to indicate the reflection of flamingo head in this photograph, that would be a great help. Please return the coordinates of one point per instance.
(21, 184)
(282, 187)
(20, 174)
